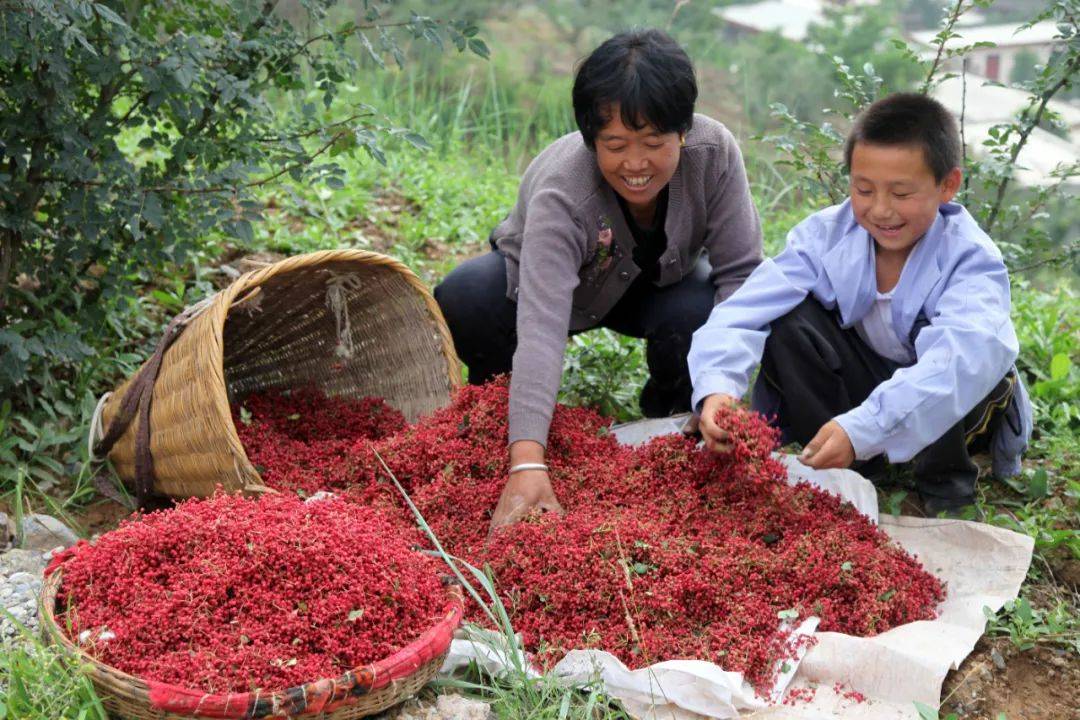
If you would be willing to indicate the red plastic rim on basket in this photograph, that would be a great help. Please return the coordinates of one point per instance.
(323, 695)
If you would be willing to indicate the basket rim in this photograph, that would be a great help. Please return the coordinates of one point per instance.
(221, 305)
(317, 696)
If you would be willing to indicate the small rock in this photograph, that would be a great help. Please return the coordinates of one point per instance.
(462, 708)
(19, 560)
(1059, 661)
(44, 532)
(999, 661)
(7, 532)
(21, 578)
(320, 495)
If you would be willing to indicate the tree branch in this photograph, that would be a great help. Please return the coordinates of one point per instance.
(1073, 251)
(173, 189)
(1026, 131)
(9, 246)
(950, 23)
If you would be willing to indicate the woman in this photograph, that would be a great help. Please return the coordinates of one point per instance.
(640, 222)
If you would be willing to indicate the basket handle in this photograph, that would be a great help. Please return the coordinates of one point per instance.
(136, 400)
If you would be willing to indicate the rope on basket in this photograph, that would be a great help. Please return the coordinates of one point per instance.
(136, 401)
(338, 303)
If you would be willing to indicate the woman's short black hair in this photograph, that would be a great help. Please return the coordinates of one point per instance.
(910, 119)
(646, 73)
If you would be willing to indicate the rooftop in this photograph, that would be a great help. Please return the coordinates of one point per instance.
(790, 18)
(994, 103)
(1042, 33)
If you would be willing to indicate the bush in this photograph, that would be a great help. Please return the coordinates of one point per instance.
(135, 131)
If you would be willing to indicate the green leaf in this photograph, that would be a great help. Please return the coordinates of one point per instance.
(926, 712)
(1039, 485)
(152, 210)
(105, 13)
(1022, 610)
(887, 595)
(1060, 365)
(479, 47)
(355, 615)
(789, 614)
(417, 141)
(846, 566)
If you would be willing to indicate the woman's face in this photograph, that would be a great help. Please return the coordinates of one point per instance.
(637, 163)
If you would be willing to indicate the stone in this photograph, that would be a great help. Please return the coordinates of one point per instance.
(44, 532)
(19, 560)
(7, 532)
(457, 706)
(21, 578)
(445, 707)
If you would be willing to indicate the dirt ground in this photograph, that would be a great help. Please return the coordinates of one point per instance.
(1038, 684)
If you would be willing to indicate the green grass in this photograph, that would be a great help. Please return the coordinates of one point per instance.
(43, 682)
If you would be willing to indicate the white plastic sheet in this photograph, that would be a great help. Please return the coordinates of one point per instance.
(982, 566)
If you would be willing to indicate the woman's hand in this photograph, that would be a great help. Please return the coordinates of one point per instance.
(715, 439)
(830, 448)
(525, 490)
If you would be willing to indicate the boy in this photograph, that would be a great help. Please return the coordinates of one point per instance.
(883, 327)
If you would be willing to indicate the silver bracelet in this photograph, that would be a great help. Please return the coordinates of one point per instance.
(527, 466)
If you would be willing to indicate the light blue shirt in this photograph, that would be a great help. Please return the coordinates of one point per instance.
(955, 287)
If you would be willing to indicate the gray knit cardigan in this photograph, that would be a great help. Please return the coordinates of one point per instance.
(564, 278)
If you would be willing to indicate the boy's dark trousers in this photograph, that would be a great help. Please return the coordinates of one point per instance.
(483, 322)
(821, 370)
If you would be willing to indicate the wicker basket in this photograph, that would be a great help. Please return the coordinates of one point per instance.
(348, 322)
(356, 694)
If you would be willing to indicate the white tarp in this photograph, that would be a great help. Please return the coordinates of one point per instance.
(982, 566)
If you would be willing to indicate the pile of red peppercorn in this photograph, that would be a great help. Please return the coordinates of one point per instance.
(666, 551)
(234, 595)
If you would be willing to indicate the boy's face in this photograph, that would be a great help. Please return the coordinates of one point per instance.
(894, 194)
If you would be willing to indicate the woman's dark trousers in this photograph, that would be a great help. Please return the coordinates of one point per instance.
(483, 322)
(821, 370)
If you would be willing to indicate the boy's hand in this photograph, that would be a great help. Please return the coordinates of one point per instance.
(715, 439)
(830, 448)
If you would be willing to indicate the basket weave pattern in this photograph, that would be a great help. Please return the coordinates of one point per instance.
(348, 322)
(359, 693)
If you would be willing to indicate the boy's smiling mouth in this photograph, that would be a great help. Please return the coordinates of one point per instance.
(889, 231)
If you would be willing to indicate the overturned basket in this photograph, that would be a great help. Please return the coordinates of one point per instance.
(348, 322)
(358, 693)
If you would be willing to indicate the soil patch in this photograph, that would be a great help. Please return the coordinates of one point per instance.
(1038, 684)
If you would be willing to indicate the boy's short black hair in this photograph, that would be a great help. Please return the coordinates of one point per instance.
(646, 73)
(909, 119)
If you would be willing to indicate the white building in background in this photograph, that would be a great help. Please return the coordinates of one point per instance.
(790, 18)
(996, 63)
(983, 106)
